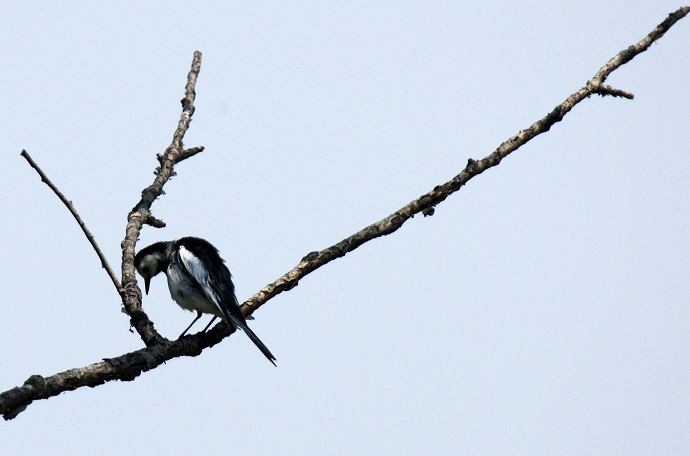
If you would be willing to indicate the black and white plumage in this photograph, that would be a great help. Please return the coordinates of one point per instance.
(198, 280)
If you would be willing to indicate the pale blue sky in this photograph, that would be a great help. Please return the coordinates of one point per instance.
(542, 310)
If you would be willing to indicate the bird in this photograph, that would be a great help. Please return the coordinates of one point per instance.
(198, 280)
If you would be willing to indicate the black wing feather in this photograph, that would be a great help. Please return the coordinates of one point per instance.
(220, 281)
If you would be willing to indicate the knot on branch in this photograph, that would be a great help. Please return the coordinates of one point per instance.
(287, 284)
(309, 257)
(187, 105)
(149, 194)
(343, 247)
(554, 116)
(36, 381)
(471, 165)
(628, 54)
(428, 211)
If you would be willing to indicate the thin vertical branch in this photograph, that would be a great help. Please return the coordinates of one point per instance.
(141, 214)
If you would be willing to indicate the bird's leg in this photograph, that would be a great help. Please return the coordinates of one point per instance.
(198, 315)
(209, 323)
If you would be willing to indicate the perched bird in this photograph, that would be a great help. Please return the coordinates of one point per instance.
(198, 280)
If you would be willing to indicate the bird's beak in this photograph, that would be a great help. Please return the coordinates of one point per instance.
(147, 282)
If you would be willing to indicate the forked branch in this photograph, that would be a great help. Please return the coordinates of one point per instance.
(158, 349)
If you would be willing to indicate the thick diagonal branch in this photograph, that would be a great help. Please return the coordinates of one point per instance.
(125, 368)
(426, 202)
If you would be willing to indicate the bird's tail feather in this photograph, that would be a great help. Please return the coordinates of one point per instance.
(254, 338)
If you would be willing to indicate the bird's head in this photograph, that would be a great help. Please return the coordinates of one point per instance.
(151, 260)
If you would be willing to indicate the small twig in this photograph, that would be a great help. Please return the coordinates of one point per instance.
(185, 154)
(154, 222)
(604, 90)
(81, 223)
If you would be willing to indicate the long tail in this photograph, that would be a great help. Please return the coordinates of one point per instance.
(254, 338)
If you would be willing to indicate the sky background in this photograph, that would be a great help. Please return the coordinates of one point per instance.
(542, 310)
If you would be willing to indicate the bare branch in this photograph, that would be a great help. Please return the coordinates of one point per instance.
(125, 368)
(81, 223)
(627, 55)
(426, 202)
(158, 349)
(141, 214)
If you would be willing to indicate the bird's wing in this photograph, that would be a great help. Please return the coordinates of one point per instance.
(196, 269)
(213, 288)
